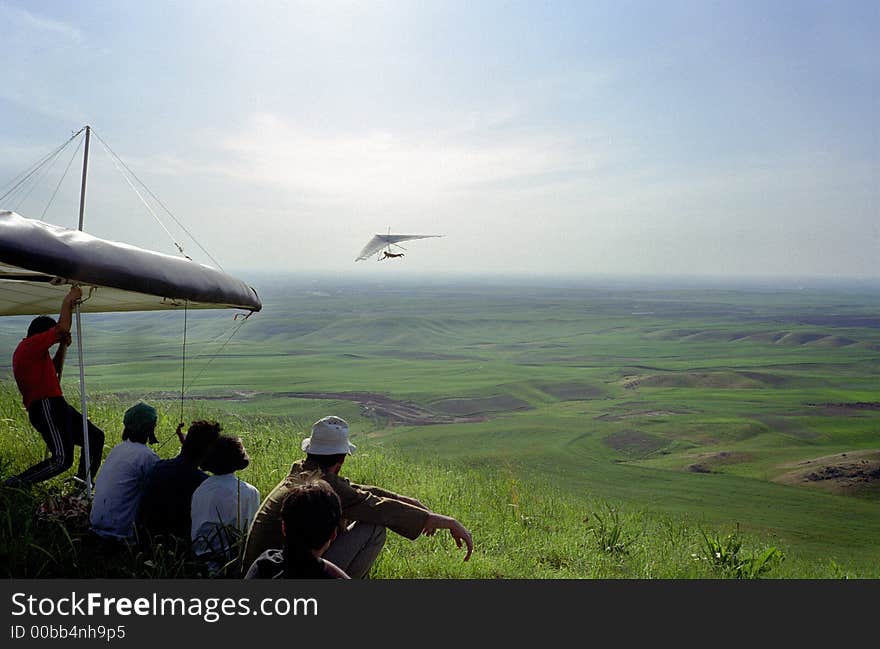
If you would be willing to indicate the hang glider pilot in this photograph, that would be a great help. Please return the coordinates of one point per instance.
(366, 511)
(38, 377)
(390, 255)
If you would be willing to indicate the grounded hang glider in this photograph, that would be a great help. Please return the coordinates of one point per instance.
(39, 261)
(382, 243)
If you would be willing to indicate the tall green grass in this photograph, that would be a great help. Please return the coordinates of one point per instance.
(522, 527)
(627, 389)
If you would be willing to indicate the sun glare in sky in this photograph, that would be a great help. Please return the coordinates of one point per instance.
(675, 138)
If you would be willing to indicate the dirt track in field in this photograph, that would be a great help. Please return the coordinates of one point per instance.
(375, 406)
(706, 462)
(395, 412)
(845, 409)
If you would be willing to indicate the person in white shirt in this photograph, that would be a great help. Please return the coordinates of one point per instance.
(120, 482)
(224, 505)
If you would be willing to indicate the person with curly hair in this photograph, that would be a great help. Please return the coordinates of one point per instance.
(165, 505)
(224, 505)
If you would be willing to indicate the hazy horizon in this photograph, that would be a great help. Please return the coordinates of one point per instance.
(710, 140)
(596, 281)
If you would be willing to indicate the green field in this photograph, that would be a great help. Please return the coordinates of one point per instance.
(684, 407)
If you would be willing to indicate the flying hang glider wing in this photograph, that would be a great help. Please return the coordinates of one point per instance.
(39, 261)
(380, 241)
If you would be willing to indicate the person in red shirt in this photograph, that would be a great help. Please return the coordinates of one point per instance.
(38, 377)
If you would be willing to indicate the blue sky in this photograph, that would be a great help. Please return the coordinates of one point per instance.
(707, 138)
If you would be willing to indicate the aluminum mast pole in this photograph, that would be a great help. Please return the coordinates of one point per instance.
(82, 373)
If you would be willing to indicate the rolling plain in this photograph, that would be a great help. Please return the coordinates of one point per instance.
(544, 414)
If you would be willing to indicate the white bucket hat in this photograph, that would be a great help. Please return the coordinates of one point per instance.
(329, 437)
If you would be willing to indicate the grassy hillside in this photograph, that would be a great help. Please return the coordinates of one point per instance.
(725, 408)
(523, 528)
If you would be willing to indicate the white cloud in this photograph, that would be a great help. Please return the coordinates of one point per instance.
(40, 55)
(382, 166)
(18, 19)
(45, 102)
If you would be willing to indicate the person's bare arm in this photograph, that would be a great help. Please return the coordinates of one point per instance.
(60, 353)
(457, 530)
(65, 320)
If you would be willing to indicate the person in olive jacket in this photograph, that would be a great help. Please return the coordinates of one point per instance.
(367, 511)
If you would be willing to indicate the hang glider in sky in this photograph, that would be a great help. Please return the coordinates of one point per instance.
(382, 244)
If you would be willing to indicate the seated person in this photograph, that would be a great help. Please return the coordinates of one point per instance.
(367, 511)
(122, 478)
(224, 505)
(165, 505)
(310, 518)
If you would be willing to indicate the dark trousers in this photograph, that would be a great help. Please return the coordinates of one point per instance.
(60, 424)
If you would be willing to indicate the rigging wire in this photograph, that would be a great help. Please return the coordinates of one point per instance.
(156, 198)
(22, 177)
(186, 386)
(63, 176)
(44, 164)
(120, 166)
(20, 193)
(140, 196)
(217, 353)
(44, 171)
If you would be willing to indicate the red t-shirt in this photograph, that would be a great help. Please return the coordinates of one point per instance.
(33, 368)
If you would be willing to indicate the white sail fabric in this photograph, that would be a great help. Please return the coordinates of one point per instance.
(39, 262)
(380, 241)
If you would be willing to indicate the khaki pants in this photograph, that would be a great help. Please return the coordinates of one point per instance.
(356, 548)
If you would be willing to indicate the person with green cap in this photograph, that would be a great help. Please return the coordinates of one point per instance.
(120, 483)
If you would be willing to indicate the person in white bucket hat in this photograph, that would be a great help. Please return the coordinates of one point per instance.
(367, 511)
(329, 437)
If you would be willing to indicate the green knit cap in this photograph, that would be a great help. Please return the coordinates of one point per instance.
(140, 418)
